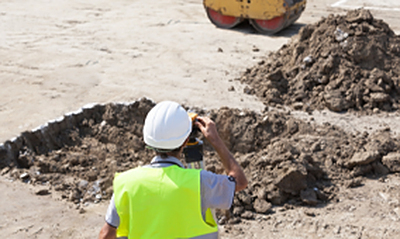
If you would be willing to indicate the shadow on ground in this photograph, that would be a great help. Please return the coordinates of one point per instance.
(246, 27)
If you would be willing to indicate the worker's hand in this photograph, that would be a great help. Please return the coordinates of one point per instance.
(208, 128)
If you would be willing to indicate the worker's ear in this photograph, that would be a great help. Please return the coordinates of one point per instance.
(184, 145)
(186, 141)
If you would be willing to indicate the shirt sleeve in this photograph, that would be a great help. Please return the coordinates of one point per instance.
(112, 217)
(217, 191)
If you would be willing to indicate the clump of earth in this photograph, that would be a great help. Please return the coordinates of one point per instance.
(287, 161)
(343, 63)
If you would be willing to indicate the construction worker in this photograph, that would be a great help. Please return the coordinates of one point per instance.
(163, 199)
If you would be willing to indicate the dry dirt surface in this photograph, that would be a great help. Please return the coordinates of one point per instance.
(309, 177)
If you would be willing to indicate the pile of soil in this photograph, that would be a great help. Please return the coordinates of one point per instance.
(287, 161)
(342, 63)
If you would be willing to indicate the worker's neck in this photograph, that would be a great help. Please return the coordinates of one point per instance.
(176, 155)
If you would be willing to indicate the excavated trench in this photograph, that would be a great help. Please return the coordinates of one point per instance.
(287, 161)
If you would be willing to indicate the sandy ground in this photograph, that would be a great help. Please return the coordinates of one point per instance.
(60, 55)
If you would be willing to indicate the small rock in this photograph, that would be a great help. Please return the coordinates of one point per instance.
(340, 35)
(308, 196)
(82, 185)
(222, 220)
(59, 187)
(359, 16)
(234, 220)
(362, 158)
(282, 209)
(324, 80)
(74, 196)
(231, 88)
(244, 198)
(392, 161)
(298, 105)
(42, 192)
(238, 210)
(309, 213)
(248, 90)
(247, 215)
(262, 206)
(335, 102)
(82, 210)
(109, 190)
(321, 195)
(337, 229)
(355, 182)
(292, 180)
(288, 207)
(277, 197)
(91, 176)
(24, 176)
(361, 170)
(276, 75)
(220, 49)
(4, 171)
(379, 97)
(308, 60)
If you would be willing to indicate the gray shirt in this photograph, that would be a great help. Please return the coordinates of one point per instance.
(216, 191)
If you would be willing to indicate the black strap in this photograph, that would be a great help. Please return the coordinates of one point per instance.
(165, 161)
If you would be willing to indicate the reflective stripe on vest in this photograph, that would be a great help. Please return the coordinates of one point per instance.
(160, 203)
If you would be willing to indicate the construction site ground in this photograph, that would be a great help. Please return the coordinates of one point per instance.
(59, 56)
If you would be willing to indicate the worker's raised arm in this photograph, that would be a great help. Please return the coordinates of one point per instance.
(231, 166)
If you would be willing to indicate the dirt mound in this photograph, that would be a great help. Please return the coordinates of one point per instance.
(349, 62)
(285, 159)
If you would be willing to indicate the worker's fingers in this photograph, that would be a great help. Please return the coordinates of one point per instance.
(200, 123)
(202, 126)
(207, 127)
(202, 118)
(199, 120)
(204, 122)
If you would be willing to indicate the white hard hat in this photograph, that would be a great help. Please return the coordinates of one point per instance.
(167, 126)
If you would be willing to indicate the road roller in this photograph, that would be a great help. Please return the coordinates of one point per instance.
(266, 16)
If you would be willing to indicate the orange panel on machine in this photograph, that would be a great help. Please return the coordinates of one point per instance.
(256, 9)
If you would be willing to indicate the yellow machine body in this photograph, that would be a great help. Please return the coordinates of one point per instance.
(289, 10)
(254, 9)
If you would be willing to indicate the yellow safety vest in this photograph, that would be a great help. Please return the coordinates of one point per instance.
(160, 203)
